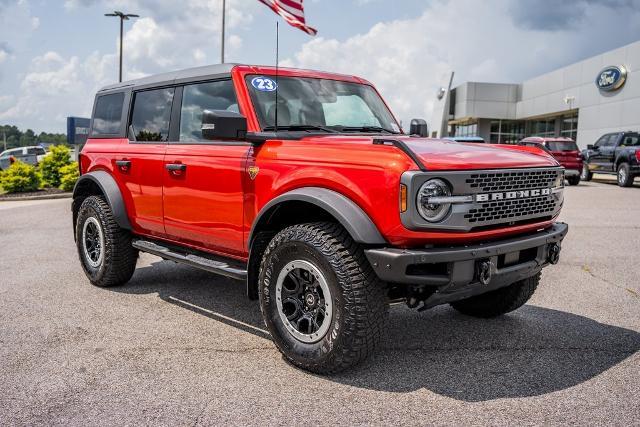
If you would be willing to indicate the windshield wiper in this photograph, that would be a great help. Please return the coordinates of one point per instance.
(365, 129)
(300, 127)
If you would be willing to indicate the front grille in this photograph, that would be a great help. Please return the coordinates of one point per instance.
(513, 180)
(499, 197)
(511, 210)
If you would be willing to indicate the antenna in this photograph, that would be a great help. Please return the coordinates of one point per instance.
(277, 51)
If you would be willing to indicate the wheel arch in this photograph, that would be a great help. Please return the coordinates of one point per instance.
(620, 160)
(306, 204)
(101, 183)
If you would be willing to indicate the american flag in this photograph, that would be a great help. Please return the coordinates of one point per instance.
(292, 11)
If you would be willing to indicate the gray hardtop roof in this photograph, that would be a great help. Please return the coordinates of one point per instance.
(197, 73)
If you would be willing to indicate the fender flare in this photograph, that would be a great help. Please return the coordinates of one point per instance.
(349, 214)
(111, 192)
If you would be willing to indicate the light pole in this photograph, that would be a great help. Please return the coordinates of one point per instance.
(224, 7)
(123, 17)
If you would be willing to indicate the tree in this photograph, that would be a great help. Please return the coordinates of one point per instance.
(17, 138)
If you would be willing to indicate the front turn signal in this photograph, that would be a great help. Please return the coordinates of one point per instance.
(403, 198)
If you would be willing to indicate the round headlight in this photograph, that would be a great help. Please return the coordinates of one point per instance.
(433, 212)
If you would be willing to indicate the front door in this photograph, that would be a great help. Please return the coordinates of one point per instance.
(203, 180)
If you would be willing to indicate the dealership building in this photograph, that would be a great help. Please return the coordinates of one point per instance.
(581, 101)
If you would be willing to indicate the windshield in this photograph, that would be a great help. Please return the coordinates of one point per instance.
(562, 146)
(319, 105)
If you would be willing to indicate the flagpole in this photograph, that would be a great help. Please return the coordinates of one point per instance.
(224, 6)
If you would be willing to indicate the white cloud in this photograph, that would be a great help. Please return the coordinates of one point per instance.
(235, 42)
(496, 40)
(56, 87)
(409, 59)
(169, 35)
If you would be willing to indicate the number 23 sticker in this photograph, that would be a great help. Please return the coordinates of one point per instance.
(264, 84)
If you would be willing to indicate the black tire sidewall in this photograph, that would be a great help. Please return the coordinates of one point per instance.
(90, 208)
(629, 179)
(318, 353)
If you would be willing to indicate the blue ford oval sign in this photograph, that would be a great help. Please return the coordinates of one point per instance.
(611, 78)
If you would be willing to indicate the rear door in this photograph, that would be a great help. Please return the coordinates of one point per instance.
(605, 148)
(139, 163)
(608, 152)
(203, 180)
(35, 155)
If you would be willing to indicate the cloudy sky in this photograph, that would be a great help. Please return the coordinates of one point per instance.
(54, 54)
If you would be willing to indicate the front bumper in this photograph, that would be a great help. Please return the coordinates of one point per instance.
(454, 272)
(571, 172)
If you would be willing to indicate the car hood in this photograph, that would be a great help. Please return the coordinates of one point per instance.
(438, 154)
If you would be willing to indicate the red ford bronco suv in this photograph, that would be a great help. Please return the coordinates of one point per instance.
(303, 185)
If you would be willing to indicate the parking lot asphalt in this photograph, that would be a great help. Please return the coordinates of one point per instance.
(183, 347)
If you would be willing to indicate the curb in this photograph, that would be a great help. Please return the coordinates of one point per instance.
(43, 197)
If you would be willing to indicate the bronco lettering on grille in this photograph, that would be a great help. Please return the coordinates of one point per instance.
(507, 195)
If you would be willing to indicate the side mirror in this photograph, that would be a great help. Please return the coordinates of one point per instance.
(222, 124)
(419, 127)
(591, 147)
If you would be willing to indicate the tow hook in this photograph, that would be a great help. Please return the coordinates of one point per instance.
(484, 272)
(554, 253)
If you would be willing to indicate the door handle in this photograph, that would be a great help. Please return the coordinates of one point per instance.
(176, 168)
(123, 165)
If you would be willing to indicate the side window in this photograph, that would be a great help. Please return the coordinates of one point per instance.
(108, 114)
(602, 142)
(612, 140)
(38, 151)
(196, 98)
(631, 141)
(151, 113)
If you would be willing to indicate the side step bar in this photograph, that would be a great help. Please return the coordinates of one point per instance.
(209, 263)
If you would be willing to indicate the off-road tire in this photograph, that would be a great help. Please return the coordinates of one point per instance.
(119, 259)
(624, 177)
(358, 296)
(586, 174)
(574, 180)
(500, 301)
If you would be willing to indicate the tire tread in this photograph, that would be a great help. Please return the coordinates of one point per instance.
(364, 294)
(120, 256)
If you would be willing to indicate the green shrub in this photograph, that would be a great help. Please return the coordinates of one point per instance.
(68, 176)
(59, 157)
(19, 178)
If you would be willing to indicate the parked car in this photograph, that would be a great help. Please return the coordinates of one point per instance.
(472, 139)
(316, 200)
(31, 155)
(564, 150)
(614, 153)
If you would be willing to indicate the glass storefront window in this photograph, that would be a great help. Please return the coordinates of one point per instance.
(506, 131)
(466, 130)
(543, 128)
(570, 126)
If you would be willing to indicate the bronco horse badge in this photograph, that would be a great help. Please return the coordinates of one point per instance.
(253, 172)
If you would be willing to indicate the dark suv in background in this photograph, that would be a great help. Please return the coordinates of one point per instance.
(614, 153)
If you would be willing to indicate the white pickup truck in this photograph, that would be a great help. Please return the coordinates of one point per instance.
(31, 155)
